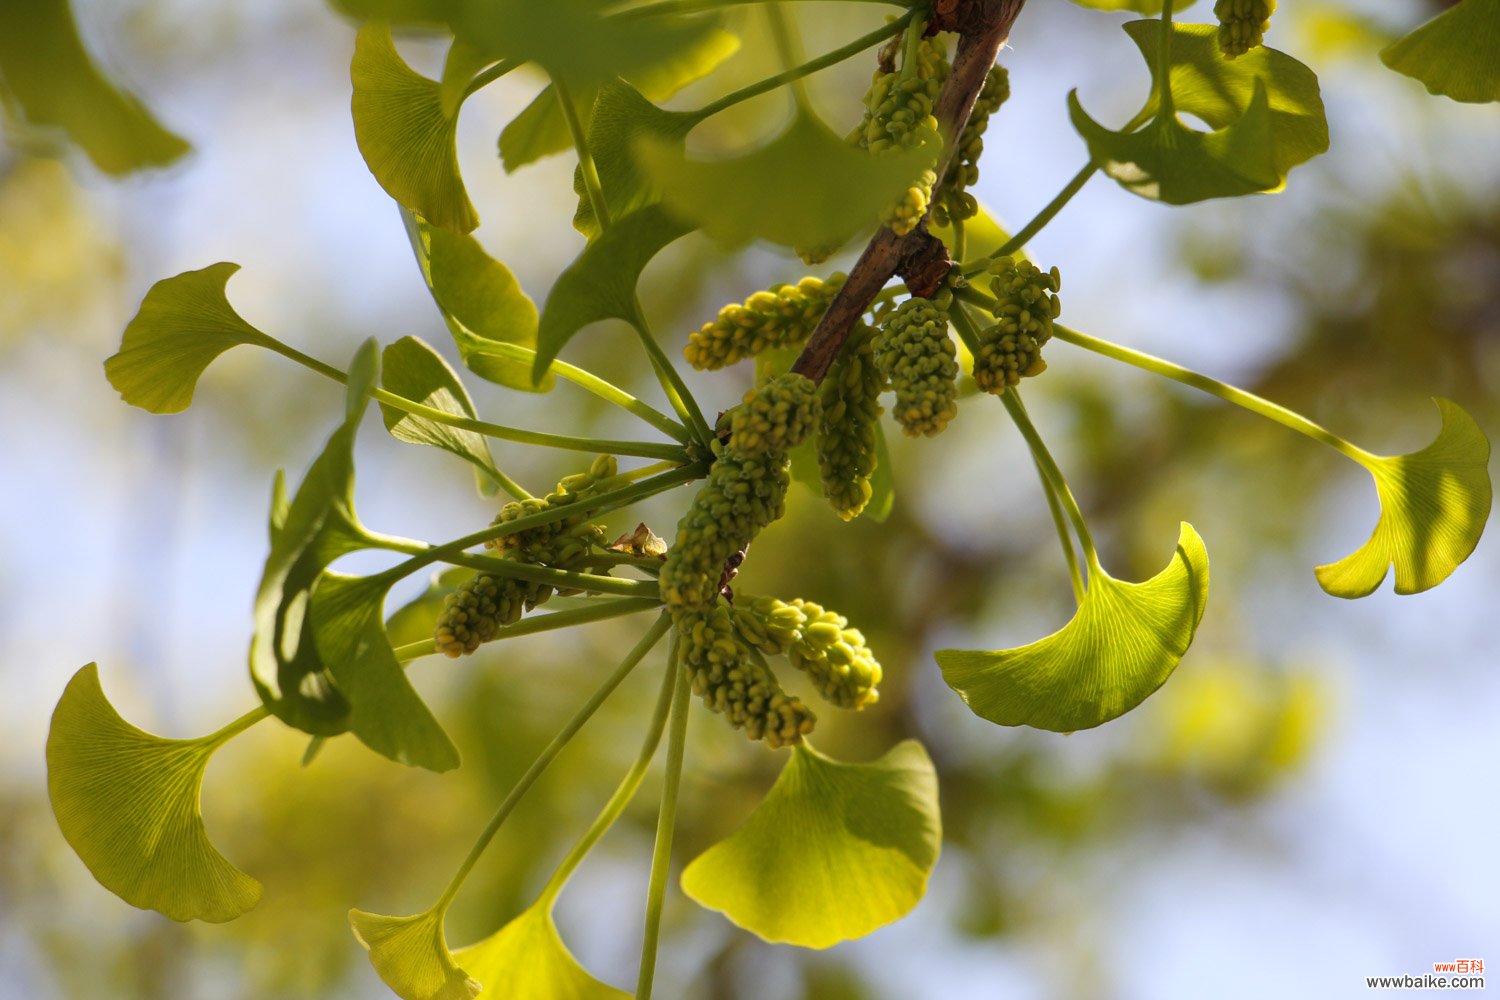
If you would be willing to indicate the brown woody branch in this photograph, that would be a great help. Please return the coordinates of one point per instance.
(983, 26)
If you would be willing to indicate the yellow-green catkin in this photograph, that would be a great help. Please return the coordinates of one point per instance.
(474, 613)
(744, 492)
(776, 416)
(898, 116)
(1242, 24)
(781, 316)
(1026, 304)
(734, 681)
(818, 642)
(914, 353)
(850, 396)
(952, 200)
(566, 543)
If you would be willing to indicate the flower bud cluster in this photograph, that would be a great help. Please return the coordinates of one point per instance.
(850, 396)
(744, 492)
(913, 352)
(1026, 305)
(1242, 24)
(782, 316)
(477, 610)
(734, 681)
(953, 201)
(898, 116)
(776, 416)
(818, 642)
(565, 543)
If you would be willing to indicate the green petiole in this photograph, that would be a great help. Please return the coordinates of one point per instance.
(670, 379)
(666, 819)
(1012, 400)
(585, 158)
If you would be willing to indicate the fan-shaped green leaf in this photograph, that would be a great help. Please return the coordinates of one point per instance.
(127, 802)
(623, 117)
(1122, 644)
(414, 370)
(834, 852)
(347, 616)
(412, 957)
(406, 138)
(600, 283)
(50, 79)
(526, 958)
(1456, 54)
(319, 526)
(184, 323)
(480, 301)
(805, 188)
(1167, 161)
(1433, 507)
(406, 13)
(1220, 91)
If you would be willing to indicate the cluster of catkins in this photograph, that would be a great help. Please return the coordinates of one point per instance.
(477, 610)
(952, 200)
(1026, 303)
(1242, 24)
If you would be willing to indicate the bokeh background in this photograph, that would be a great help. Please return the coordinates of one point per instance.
(1310, 800)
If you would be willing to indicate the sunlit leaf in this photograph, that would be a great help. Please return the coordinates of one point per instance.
(414, 370)
(1122, 644)
(1221, 91)
(462, 63)
(406, 13)
(319, 526)
(412, 957)
(1148, 7)
(623, 117)
(184, 323)
(526, 958)
(834, 852)
(347, 617)
(480, 301)
(1433, 507)
(807, 187)
(1167, 161)
(540, 130)
(127, 802)
(406, 138)
(574, 39)
(47, 75)
(1456, 54)
(600, 283)
(882, 484)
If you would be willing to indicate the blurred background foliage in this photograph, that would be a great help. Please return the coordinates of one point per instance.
(1240, 823)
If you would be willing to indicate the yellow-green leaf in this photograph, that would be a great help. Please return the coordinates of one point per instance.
(1456, 54)
(184, 323)
(412, 957)
(47, 75)
(1433, 507)
(834, 851)
(1122, 644)
(127, 802)
(806, 188)
(412, 369)
(1167, 161)
(622, 118)
(404, 134)
(527, 959)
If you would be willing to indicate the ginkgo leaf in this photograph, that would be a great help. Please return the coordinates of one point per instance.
(834, 851)
(1220, 91)
(127, 802)
(807, 187)
(411, 955)
(1122, 644)
(526, 958)
(600, 283)
(539, 130)
(184, 323)
(407, 13)
(1456, 54)
(50, 79)
(480, 300)
(412, 369)
(622, 118)
(347, 618)
(406, 138)
(319, 526)
(1167, 161)
(1433, 507)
